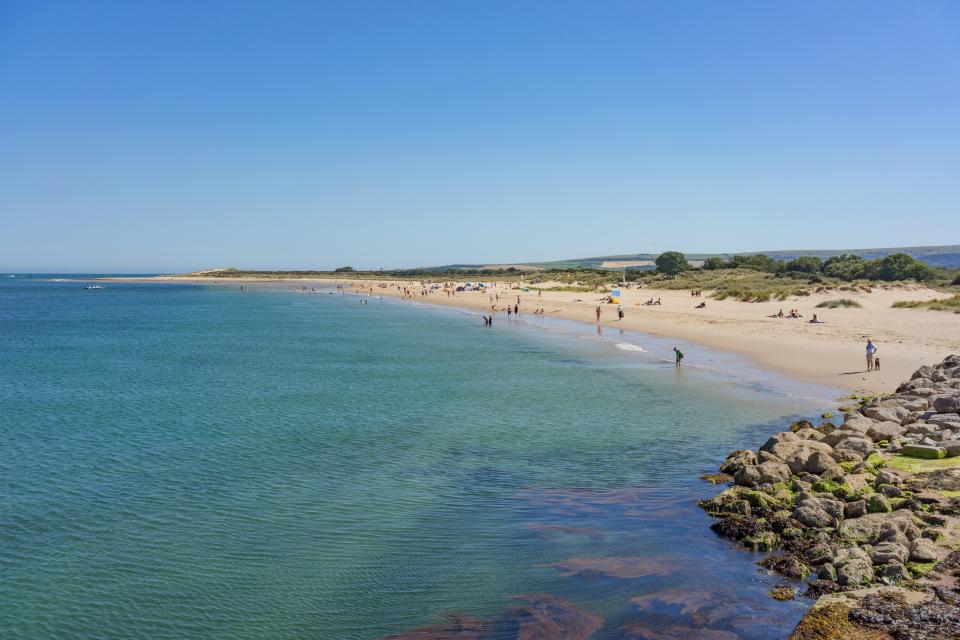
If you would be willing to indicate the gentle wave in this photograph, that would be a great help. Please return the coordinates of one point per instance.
(626, 346)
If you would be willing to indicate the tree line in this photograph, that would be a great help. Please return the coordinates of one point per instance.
(896, 266)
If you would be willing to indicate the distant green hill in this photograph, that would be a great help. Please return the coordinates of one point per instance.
(939, 256)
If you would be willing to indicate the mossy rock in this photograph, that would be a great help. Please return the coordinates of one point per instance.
(920, 569)
(846, 493)
(928, 453)
(878, 504)
(760, 500)
(826, 416)
(825, 486)
(783, 592)
(717, 478)
(898, 503)
(848, 466)
(763, 541)
(876, 460)
(791, 533)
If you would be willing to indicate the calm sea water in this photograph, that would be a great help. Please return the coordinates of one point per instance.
(184, 461)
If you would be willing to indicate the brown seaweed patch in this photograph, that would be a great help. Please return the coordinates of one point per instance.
(692, 601)
(547, 617)
(676, 632)
(457, 627)
(618, 567)
(537, 616)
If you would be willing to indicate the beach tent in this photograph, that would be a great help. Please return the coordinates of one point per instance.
(615, 296)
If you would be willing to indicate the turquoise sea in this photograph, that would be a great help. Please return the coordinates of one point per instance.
(192, 461)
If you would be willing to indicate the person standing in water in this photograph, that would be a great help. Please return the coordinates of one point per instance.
(679, 356)
(871, 349)
(598, 314)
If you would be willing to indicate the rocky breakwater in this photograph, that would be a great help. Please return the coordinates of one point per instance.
(864, 512)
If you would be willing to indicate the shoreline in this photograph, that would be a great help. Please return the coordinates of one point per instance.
(828, 354)
(865, 513)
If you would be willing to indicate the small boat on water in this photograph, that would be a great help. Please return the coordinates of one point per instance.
(93, 286)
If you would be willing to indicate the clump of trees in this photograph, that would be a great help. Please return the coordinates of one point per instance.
(896, 266)
(671, 263)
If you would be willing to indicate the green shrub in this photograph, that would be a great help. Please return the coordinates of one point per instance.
(836, 304)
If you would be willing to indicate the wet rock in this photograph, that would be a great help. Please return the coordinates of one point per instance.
(737, 460)
(820, 587)
(786, 565)
(783, 592)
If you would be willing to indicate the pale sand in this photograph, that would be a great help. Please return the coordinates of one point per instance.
(832, 354)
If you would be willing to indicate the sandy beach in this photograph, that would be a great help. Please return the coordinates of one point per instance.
(831, 353)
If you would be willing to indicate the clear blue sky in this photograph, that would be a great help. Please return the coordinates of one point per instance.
(168, 135)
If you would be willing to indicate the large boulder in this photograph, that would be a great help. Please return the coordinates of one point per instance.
(857, 422)
(892, 412)
(946, 403)
(778, 438)
(885, 431)
(823, 464)
(855, 572)
(748, 476)
(738, 460)
(809, 514)
(855, 509)
(797, 454)
(929, 452)
(923, 372)
(896, 527)
(853, 449)
(923, 550)
(836, 437)
(773, 472)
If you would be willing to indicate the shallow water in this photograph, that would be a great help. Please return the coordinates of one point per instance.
(192, 461)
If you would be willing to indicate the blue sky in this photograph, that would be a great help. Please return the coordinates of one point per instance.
(157, 136)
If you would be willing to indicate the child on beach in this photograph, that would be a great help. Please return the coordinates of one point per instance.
(679, 356)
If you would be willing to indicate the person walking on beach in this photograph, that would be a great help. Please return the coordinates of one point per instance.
(871, 349)
(679, 356)
(598, 314)
(516, 310)
(619, 312)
